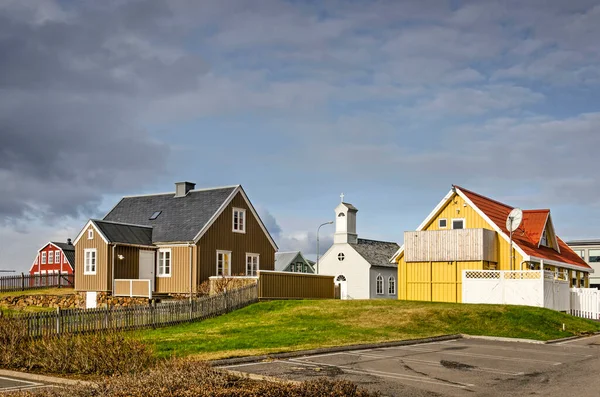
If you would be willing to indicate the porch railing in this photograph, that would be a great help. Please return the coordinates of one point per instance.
(133, 287)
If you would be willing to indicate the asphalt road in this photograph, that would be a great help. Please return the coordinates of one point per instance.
(10, 384)
(455, 368)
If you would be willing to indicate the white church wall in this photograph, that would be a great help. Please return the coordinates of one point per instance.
(354, 268)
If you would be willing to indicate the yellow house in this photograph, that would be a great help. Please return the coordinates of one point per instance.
(467, 231)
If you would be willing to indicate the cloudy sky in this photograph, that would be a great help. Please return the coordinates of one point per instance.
(390, 102)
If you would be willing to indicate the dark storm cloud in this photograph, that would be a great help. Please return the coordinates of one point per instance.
(72, 84)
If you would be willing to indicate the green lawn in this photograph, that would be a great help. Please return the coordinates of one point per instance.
(280, 326)
(43, 291)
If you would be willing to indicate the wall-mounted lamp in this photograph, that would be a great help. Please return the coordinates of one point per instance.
(121, 257)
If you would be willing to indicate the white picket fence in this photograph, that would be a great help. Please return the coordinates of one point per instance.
(585, 302)
(517, 287)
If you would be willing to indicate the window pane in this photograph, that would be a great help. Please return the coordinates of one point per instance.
(594, 256)
(458, 224)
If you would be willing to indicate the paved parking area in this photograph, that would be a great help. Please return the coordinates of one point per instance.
(453, 368)
(10, 384)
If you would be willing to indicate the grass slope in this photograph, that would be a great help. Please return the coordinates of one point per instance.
(281, 326)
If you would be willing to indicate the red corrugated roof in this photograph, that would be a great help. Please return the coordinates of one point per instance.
(528, 235)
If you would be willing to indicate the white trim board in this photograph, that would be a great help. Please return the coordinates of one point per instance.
(84, 231)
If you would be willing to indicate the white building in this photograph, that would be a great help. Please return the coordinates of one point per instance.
(361, 267)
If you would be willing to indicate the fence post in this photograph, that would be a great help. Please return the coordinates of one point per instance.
(22, 281)
(59, 279)
(58, 321)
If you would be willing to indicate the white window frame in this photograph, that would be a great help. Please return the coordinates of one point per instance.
(44, 258)
(459, 219)
(90, 272)
(241, 214)
(90, 234)
(440, 223)
(252, 272)
(51, 257)
(221, 252)
(378, 284)
(161, 267)
(57, 256)
(391, 285)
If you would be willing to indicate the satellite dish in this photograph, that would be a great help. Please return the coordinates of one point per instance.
(514, 219)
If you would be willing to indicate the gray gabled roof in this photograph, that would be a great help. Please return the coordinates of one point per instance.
(283, 259)
(124, 233)
(181, 218)
(64, 246)
(377, 253)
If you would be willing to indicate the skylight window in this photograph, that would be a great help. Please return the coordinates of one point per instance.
(155, 215)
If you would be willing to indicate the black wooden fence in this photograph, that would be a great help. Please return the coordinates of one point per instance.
(135, 317)
(24, 282)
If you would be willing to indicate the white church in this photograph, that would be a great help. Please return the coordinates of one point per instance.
(361, 267)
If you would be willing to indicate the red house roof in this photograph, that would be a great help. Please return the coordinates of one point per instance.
(529, 233)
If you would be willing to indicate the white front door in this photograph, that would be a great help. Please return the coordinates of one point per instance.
(341, 281)
(147, 267)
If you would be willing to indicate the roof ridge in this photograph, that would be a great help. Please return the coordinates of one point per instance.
(287, 252)
(377, 241)
(538, 210)
(121, 223)
(482, 196)
(191, 191)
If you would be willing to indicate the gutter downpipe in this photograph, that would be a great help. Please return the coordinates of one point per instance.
(191, 271)
(113, 269)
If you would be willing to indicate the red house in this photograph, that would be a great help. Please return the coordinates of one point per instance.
(54, 258)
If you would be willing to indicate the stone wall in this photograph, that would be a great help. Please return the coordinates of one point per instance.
(69, 301)
(105, 299)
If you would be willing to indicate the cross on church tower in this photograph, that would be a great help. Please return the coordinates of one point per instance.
(342, 197)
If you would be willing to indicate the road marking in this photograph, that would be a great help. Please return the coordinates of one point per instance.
(436, 364)
(475, 355)
(410, 378)
(26, 385)
(519, 349)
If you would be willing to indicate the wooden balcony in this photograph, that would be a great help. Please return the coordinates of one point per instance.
(451, 245)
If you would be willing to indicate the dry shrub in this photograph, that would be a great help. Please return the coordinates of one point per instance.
(185, 378)
(99, 353)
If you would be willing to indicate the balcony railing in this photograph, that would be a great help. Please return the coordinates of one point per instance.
(451, 245)
(133, 287)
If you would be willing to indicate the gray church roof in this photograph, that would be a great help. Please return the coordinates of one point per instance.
(180, 218)
(377, 253)
(125, 233)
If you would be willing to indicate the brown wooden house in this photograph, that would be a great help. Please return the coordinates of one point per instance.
(170, 243)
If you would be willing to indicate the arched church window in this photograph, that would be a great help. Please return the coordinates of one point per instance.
(341, 215)
(379, 285)
(341, 277)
